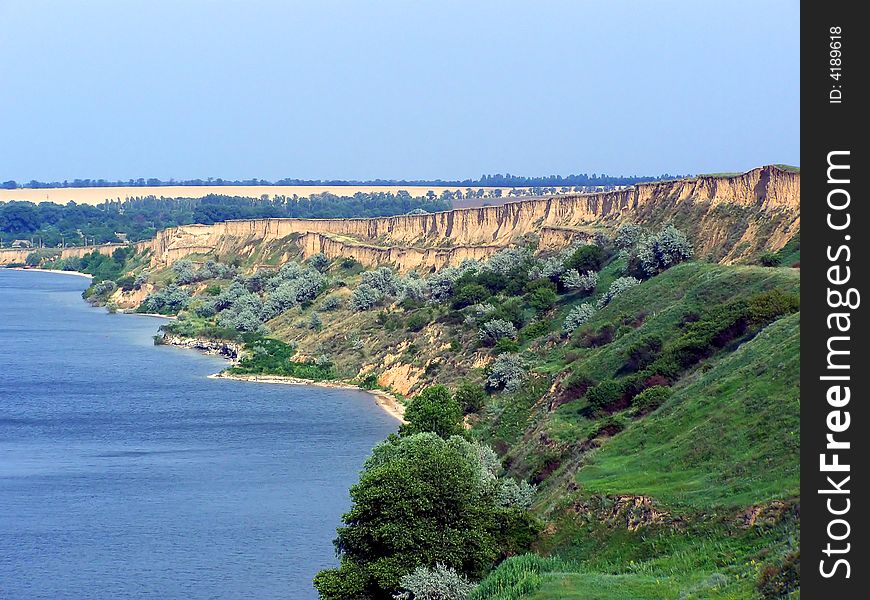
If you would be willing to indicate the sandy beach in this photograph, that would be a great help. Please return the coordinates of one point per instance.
(389, 403)
(79, 273)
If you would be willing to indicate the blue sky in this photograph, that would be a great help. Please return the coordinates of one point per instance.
(394, 89)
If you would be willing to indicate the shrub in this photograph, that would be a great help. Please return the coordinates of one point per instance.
(470, 397)
(418, 321)
(596, 339)
(494, 330)
(780, 579)
(542, 299)
(656, 253)
(506, 345)
(606, 396)
(126, 283)
(573, 280)
(365, 297)
(101, 290)
(585, 258)
(618, 286)
(439, 583)
(536, 329)
(319, 261)
(515, 494)
(184, 271)
(628, 235)
(33, 259)
(330, 303)
(382, 279)
(472, 293)
(769, 259)
(507, 372)
(167, 301)
(650, 399)
(577, 316)
(641, 354)
(315, 323)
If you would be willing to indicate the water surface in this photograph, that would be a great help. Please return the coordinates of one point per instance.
(126, 473)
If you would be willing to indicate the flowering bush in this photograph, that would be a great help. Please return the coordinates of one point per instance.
(577, 316)
(616, 288)
(507, 371)
(496, 329)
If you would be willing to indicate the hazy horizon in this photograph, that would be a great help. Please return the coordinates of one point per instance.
(446, 90)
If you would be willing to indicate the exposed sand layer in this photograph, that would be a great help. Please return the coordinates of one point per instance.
(389, 403)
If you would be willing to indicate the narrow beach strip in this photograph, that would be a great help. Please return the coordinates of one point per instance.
(389, 403)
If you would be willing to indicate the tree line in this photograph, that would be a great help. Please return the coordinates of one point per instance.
(50, 225)
(493, 180)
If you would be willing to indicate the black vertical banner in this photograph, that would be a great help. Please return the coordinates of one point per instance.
(835, 420)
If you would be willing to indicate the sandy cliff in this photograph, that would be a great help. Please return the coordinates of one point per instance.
(9, 256)
(728, 219)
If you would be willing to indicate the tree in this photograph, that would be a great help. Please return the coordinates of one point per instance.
(469, 294)
(542, 299)
(434, 410)
(421, 501)
(507, 371)
(470, 397)
(494, 330)
(585, 258)
(577, 316)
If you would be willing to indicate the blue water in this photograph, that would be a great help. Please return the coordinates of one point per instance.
(126, 473)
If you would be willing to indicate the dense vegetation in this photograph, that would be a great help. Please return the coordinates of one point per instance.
(628, 414)
(72, 224)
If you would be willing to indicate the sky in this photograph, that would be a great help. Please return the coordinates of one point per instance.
(420, 89)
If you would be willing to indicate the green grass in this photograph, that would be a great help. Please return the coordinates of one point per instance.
(729, 437)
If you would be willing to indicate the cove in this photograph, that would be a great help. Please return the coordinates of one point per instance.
(125, 472)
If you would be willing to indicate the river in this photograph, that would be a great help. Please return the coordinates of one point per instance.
(126, 473)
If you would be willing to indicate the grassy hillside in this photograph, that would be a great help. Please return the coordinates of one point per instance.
(718, 468)
(661, 429)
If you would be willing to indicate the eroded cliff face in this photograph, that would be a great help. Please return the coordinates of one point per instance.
(727, 218)
(9, 256)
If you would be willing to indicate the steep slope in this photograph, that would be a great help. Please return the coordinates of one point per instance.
(730, 219)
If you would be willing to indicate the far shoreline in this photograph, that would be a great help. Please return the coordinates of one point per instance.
(383, 399)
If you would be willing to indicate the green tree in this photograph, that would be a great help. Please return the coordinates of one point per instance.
(470, 397)
(434, 410)
(421, 501)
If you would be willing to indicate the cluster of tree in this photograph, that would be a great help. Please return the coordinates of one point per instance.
(496, 180)
(431, 512)
(48, 224)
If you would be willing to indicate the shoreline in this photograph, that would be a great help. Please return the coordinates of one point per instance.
(385, 400)
(58, 271)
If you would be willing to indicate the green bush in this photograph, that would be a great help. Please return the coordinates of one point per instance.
(586, 258)
(434, 410)
(606, 396)
(506, 345)
(542, 299)
(469, 294)
(470, 397)
(650, 399)
(418, 321)
(769, 259)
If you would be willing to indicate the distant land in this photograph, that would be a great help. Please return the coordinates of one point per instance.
(97, 191)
